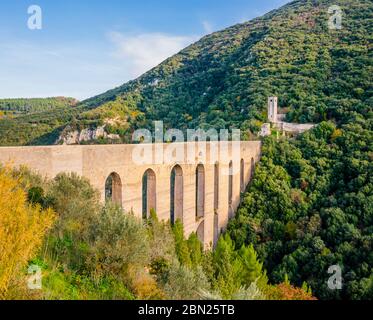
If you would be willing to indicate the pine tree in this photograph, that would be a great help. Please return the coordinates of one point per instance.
(181, 245)
(227, 267)
(252, 269)
(195, 250)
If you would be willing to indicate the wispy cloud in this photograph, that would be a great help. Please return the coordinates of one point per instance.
(207, 26)
(38, 70)
(142, 52)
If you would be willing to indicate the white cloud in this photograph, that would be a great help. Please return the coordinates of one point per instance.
(207, 26)
(144, 51)
(81, 70)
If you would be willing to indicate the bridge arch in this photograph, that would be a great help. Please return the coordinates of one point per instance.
(216, 201)
(252, 168)
(149, 193)
(216, 185)
(113, 188)
(242, 175)
(230, 189)
(176, 194)
(230, 183)
(200, 191)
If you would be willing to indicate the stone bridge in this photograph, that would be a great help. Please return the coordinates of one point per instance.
(201, 187)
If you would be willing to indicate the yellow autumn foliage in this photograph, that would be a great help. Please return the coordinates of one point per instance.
(22, 229)
(336, 134)
(145, 287)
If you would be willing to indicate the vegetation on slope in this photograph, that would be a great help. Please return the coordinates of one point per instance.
(22, 229)
(100, 252)
(310, 206)
(224, 79)
(22, 120)
(14, 107)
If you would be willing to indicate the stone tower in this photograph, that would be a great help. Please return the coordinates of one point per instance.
(272, 109)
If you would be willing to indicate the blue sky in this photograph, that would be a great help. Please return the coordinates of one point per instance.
(87, 47)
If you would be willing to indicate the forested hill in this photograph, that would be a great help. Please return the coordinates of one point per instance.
(224, 79)
(15, 107)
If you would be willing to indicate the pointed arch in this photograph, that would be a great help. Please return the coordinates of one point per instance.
(113, 188)
(200, 191)
(252, 168)
(176, 196)
(216, 186)
(216, 202)
(148, 193)
(230, 183)
(230, 190)
(242, 176)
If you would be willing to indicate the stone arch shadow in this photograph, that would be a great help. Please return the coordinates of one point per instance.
(113, 188)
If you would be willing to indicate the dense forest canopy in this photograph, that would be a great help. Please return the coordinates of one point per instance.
(310, 207)
(14, 107)
(224, 79)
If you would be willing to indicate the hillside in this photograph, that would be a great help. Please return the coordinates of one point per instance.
(16, 107)
(22, 119)
(308, 207)
(224, 79)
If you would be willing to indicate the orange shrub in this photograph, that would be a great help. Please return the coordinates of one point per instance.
(286, 291)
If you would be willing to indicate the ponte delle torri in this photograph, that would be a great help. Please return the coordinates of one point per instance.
(203, 192)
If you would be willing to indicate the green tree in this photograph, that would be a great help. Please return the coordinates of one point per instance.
(181, 245)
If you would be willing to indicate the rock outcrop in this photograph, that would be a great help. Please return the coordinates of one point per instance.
(70, 136)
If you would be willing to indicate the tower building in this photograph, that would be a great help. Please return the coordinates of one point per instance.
(272, 109)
